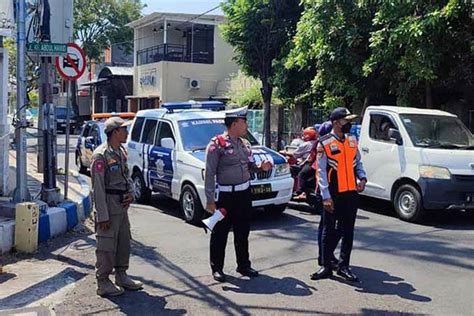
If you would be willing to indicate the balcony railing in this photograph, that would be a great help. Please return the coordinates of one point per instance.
(173, 52)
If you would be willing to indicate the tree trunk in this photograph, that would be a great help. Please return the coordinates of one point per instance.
(366, 104)
(267, 99)
(428, 96)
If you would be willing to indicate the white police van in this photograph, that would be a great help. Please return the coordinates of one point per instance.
(166, 154)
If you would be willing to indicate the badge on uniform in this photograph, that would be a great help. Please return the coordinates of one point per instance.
(114, 167)
(334, 149)
(99, 166)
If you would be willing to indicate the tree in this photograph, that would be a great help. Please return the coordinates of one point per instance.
(246, 91)
(31, 75)
(333, 39)
(100, 23)
(421, 45)
(259, 30)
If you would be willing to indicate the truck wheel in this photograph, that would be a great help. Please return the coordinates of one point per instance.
(408, 204)
(191, 205)
(80, 166)
(276, 209)
(141, 192)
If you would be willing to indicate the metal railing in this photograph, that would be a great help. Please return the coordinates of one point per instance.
(173, 52)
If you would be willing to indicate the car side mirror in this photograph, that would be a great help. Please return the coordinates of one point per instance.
(167, 142)
(394, 134)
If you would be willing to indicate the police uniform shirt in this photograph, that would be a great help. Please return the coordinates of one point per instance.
(109, 171)
(229, 163)
(323, 161)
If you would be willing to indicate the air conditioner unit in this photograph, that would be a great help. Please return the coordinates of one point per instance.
(194, 84)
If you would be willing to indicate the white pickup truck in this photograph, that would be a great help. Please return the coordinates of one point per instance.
(418, 159)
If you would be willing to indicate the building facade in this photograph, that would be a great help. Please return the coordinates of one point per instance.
(179, 57)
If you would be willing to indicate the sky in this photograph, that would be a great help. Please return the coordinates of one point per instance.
(181, 6)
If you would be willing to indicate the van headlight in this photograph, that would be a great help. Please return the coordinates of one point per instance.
(433, 172)
(282, 169)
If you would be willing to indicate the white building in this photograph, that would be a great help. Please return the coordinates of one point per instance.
(178, 57)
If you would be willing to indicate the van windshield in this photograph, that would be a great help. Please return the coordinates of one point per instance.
(436, 131)
(196, 134)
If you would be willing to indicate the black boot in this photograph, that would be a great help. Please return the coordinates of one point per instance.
(248, 272)
(219, 276)
(347, 274)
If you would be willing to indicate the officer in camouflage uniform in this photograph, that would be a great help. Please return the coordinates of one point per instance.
(229, 161)
(113, 193)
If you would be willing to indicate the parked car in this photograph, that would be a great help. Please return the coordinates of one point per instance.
(91, 136)
(166, 154)
(418, 159)
(60, 113)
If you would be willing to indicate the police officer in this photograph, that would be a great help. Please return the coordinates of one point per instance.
(229, 161)
(113, 194)
(339, 169)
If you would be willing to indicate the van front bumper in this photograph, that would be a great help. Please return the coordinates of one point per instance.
(454, 194)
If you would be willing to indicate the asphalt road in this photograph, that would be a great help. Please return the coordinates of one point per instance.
(403, 267)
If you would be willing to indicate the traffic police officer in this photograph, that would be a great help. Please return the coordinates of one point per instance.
(113, 193)
(229, 161)
(339, 168)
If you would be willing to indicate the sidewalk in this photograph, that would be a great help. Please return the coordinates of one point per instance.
(53, 221)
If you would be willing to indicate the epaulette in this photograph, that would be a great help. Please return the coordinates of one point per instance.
(221, 140)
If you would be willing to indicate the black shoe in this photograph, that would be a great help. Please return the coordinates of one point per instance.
(323, 273)
(347, 274)
(219, 276)
(248, 272)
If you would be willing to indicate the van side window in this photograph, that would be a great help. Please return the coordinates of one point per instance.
(95, 134)
(149, 131)
(165, 131)
(137, 129)
(379, 127)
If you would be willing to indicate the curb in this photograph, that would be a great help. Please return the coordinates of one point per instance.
(53, 221)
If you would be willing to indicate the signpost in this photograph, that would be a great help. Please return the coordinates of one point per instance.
(47, 49)
(71, 66)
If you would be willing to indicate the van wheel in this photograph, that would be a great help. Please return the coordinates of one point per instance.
(191, 205)
(141, 193)
(80, 166)
(276, 209)
(408, 204)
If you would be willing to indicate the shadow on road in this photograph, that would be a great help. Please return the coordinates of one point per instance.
(266, 284)
(142, 303)
(382, 283)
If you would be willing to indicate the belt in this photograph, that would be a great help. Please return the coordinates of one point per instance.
(116, 192)
(234, 188)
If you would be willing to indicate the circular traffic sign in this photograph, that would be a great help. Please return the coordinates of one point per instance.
(72, 65)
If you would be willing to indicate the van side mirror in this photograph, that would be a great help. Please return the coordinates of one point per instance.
(167, 142)
(394, 134)
(89, 142)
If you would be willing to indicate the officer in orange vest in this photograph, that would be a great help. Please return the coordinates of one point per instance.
(340, 177)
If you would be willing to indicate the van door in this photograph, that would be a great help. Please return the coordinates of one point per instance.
(148, 141)
(161, 174)
(134, 147)
(383, 159)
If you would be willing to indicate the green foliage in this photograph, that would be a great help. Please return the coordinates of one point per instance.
(365, 50)
(246, 91)
(100, 23)
(31, 76)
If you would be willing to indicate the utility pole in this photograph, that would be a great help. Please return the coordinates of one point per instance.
(21, 192)
(49, 192)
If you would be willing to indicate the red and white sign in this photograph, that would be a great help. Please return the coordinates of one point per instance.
(72, 65)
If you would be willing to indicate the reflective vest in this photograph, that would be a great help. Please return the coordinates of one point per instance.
(341, 162)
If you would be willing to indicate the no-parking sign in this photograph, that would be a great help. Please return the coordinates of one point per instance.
(72, 65)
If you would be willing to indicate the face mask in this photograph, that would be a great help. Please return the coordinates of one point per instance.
(346, 128)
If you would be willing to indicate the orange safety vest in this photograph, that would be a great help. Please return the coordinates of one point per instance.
(342, 160)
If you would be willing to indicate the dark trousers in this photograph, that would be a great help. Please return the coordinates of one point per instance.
(238, 206)
(306, 178)
(334, 243)
(345, 212)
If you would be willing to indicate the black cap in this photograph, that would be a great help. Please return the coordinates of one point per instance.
(341, 113)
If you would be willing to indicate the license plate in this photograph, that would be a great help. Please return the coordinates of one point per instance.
(261, 188)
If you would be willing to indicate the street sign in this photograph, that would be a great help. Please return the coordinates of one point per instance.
(72, 65)
(47, 49)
